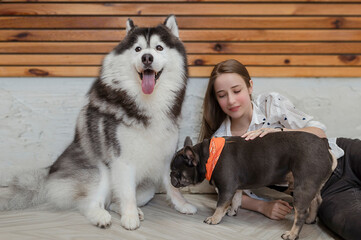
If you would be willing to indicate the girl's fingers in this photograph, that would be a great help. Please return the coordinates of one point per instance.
(279, 216)
(264, 133)
(246, 134)
(258, 133)
(286, 204)
(284, 210)
(268, 130)
(253, 134)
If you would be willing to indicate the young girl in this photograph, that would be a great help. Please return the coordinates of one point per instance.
(229, 110)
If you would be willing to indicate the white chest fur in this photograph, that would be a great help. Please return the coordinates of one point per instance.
(148, 149)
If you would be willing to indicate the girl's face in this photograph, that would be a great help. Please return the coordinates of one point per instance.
(233, 95)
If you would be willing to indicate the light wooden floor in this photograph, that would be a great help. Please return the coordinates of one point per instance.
(161, 222)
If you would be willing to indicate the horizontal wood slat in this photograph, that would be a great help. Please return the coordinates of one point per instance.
(52, 71)
(186, 35)
(193, 60)
(186, 1)
(231, 9)
(184, 22)
(279, 60)
(195, 48)
(287, 71)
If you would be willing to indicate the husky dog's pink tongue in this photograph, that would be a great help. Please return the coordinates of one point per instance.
(148, 81)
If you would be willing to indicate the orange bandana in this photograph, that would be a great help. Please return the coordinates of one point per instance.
(215, 148)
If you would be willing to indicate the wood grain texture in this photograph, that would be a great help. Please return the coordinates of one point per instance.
(186, 35)
(191, 47)
(278, 60)
(185, 1)
(47, 37)
(194, 71)
(232, 9)
(184, 22)
(193, 60)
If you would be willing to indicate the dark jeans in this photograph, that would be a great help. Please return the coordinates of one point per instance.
(340, 210)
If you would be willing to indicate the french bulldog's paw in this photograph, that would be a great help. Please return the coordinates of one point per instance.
(311, 220)
(289, 236)
(231, 212)
(212, 220)
(100, 217)
(140, 214)
(186, 208)
(130, 221)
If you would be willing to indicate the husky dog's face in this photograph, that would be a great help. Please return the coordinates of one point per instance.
(148, 54)
(149, 59)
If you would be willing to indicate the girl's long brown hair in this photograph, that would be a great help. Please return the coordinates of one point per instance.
(213, 116)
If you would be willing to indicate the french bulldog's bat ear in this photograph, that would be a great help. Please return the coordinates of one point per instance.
(171, 23)
(188, 142)
(130, 25)
(191, 156)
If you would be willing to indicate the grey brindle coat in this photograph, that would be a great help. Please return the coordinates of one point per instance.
(261, 162)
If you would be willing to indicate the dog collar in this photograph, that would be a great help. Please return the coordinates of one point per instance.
(215, 148)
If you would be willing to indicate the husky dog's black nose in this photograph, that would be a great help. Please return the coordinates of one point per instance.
(147, 59)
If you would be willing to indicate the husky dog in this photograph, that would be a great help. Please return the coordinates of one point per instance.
(125, 135)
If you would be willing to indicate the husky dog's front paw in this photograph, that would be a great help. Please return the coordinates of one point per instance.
(100, 218)
(186, 208)
(115, 208)
(289, 236)
(130, 221)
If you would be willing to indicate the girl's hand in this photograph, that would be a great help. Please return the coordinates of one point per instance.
(259, 133)
(276, 210)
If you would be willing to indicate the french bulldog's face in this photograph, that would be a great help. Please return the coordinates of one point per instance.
(184, 168)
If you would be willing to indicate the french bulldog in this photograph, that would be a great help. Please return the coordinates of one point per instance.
(256, 163)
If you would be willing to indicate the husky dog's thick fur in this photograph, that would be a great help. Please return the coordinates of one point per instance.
(125, 135)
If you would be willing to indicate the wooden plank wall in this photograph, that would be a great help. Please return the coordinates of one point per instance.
(274, 38)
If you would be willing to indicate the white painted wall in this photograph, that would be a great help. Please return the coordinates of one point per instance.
(37, 115)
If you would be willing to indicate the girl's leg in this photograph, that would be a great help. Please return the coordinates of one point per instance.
(341, 206)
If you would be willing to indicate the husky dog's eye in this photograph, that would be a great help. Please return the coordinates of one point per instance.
(137, 49)
(159, 48)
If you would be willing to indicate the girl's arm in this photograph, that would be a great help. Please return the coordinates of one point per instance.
(276, 210)
(315, 130)
(264, 131)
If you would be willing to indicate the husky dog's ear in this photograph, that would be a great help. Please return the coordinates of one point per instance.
(130, 25)
(171, 23)
(191, 156)
(188, 142)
